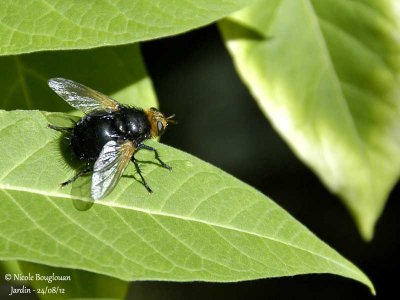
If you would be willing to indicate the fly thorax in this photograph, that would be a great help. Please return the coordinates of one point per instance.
(136, 124)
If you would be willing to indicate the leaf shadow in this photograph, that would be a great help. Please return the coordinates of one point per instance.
(240, 31)
(80, 188)
(135, 175)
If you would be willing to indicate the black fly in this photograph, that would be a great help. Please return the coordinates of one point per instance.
(108, 136)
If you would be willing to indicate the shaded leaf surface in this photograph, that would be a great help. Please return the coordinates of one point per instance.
(326, 73)
(117, 71)
(82, 284)
(199, 224)
(33, 25)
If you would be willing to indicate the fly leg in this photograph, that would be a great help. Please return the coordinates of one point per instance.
(140, 174)
(87, 169)
(156, 155)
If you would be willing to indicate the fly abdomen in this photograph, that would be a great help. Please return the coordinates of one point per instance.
(90, 135)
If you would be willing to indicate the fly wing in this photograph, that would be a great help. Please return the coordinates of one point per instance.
(81, 97)
(109, 167)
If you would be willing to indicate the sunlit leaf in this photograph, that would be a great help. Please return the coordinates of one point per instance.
(33, 25)
(326, 74)
(198, 224)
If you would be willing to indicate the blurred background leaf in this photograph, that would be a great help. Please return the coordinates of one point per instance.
(117, 71)
(33, 25)
(326, 74)
(199, 224)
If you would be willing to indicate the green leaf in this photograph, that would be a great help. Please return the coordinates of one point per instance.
(78, 284)
(198, 224)
(34, 25)
(326, 74)
(117, 71)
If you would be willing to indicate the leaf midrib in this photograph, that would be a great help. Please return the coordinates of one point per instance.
(180, 217)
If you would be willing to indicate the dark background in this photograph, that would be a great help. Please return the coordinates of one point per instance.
(219, 122)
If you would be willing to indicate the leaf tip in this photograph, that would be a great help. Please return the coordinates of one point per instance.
(371, 288)
(366, 226)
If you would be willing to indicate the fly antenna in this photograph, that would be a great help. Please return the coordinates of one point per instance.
(171, 120)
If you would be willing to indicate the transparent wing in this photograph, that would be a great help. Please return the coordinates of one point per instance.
(82, 97)
(109, 167)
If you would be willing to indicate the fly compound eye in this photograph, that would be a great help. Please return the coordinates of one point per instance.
(160, 127)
